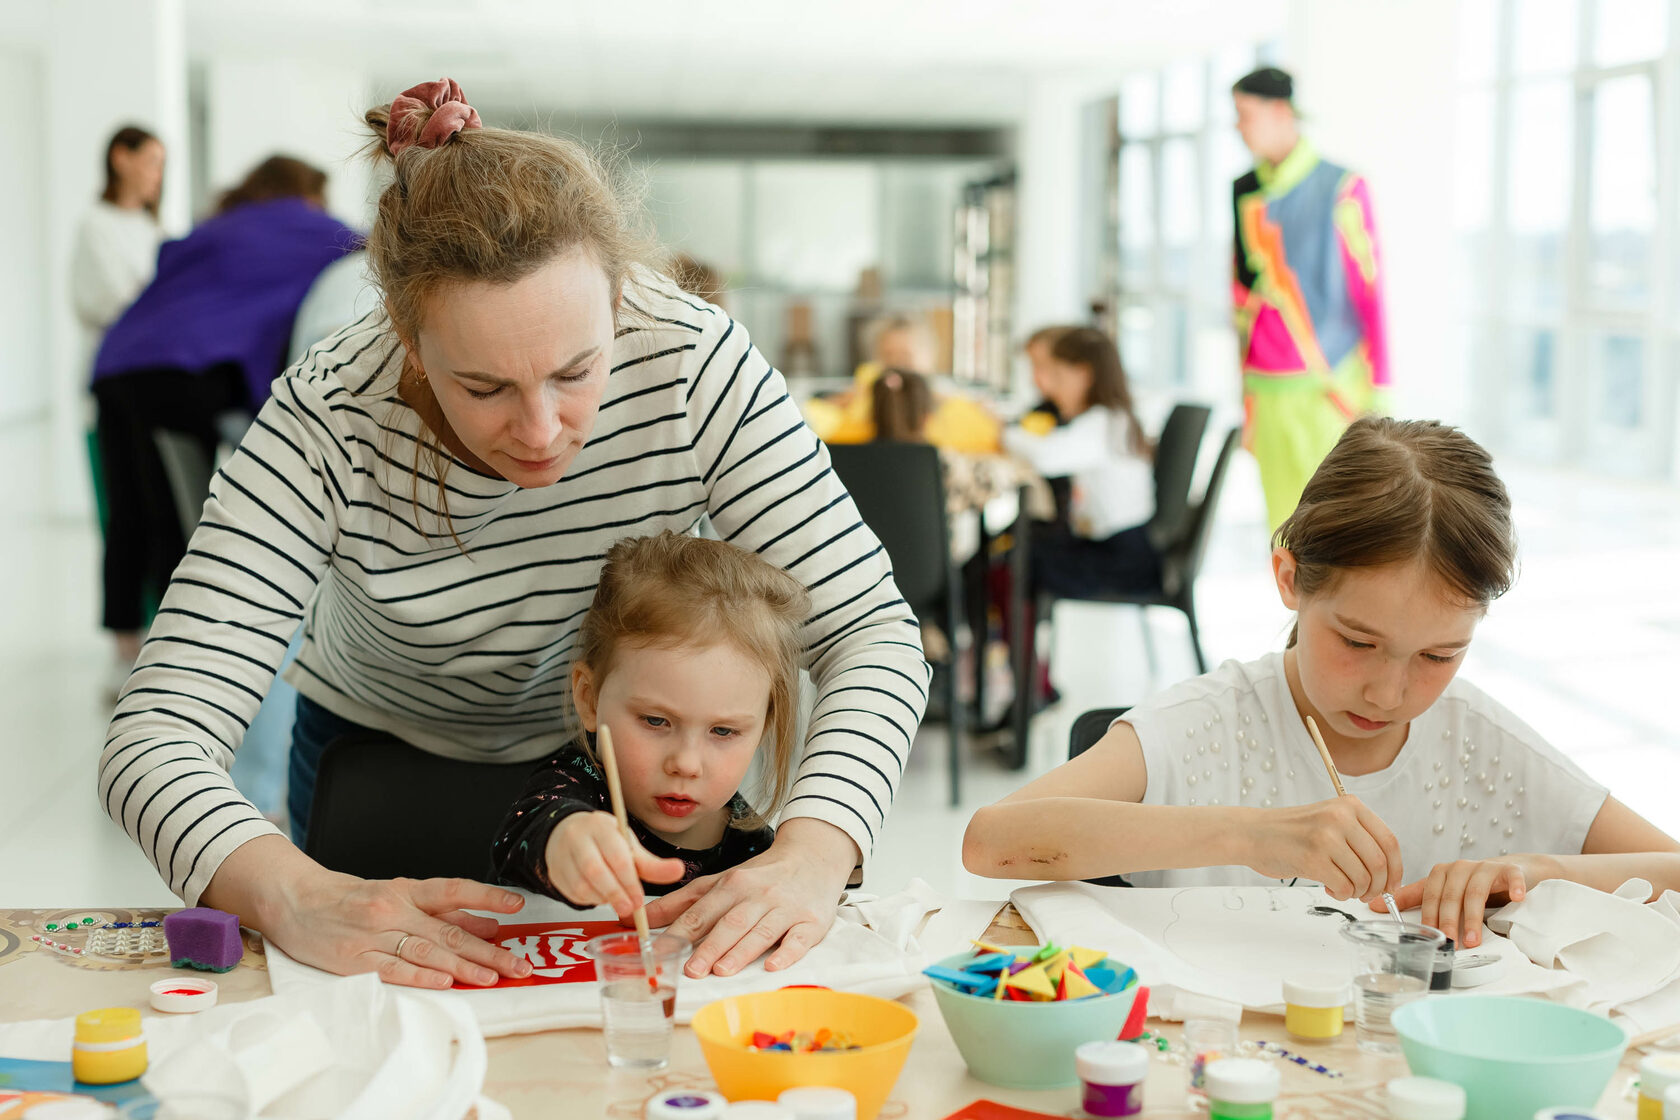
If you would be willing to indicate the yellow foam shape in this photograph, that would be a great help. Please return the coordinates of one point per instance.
(1034, 982)
(1054, 966)
(1085, 958)
(988, 947)
(997, 993)
(1075, 986)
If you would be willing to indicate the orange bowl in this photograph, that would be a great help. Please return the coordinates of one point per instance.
(881, 1028)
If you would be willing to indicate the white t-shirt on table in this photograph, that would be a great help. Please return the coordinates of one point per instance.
(1471, 782)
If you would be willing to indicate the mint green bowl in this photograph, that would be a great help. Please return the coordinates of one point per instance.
(1513, 1056)
(1019, 1045)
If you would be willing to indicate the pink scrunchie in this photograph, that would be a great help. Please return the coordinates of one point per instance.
(450, 114)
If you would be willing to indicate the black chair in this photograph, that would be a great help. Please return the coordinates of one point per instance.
(1087, 729)
(384, 810)
(899, 489)
(1181, 563)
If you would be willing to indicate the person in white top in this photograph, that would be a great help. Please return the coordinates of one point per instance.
(111, 261)
(1401, 540)
(1102, 450)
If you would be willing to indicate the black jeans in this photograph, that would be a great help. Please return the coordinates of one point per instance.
(1072, 567)
(143, 537)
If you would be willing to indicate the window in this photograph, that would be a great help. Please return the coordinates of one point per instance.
(1561, 220)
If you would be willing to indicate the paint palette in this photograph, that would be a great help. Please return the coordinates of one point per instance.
(1049, 974)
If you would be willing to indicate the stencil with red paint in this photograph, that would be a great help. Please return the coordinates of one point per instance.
(555, 952)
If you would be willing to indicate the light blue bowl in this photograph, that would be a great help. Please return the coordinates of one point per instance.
(1513, 1056)
(1019, 1045)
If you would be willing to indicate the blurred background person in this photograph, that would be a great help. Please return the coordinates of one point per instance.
(206, 337)
(115, 253)
(1308, 293)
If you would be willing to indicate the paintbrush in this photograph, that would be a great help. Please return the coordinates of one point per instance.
(609, 763)
(1336, 780)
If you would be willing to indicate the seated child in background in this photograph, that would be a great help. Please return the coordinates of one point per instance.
(689, 654)
(1401, 540)
(1101, 448)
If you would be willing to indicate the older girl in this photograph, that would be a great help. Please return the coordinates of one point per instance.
(433, 490)
(1401, 540)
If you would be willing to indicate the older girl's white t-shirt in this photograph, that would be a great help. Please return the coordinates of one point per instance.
(1471, 782)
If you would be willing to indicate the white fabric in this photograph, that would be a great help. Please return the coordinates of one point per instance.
(350, 1048)
(1622, 953)
(114, 257)
(1472, 781)
(1236, 943)
(340, 295)
(886, 961)
(1113, 488)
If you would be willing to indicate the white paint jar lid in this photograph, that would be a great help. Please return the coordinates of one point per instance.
(165, 995)
(1424, 1098)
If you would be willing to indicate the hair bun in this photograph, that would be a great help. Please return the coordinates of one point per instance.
(429, 114)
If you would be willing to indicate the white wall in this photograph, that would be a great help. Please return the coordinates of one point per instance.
(1049, 227)
(1388, 114)
(25, 363)
(262, 106)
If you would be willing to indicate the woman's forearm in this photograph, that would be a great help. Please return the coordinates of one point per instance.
(1085, 837)
(1607, 872)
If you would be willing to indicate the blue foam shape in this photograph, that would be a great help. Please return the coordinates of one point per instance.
(958, 978)
(1127, 979)
(991, 963)
(1103, 977)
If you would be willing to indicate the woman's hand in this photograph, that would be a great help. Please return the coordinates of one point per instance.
(1455, 896)
(788, 894)
(1341, 843)
(410, 931)
(591, 862)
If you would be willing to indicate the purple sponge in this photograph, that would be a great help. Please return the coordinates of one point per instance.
(202, 938)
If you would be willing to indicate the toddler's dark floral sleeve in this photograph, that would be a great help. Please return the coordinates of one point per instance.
(567, 783)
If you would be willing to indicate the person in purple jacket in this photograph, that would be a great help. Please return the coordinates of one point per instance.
(208, 335)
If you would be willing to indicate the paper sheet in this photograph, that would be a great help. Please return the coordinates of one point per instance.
(1236, 943)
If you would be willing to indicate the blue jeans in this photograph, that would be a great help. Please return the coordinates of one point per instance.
(314, 729)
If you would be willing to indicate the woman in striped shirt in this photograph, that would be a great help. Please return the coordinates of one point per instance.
(432, 491)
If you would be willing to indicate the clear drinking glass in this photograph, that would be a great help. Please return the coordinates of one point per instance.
(1205, 1041)
(1392, 964)
(636, 1007)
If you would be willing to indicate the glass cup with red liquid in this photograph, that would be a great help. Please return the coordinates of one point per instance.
(637, 1006)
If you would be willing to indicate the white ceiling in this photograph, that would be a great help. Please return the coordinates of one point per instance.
(901, 61)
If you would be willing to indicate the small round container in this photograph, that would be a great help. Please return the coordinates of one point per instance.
(1312, 1007)
(1566, 1114)
(182, 996)
(1657, 1074)
(1671, 1103)
(686, 1106)
(109, 1047)
(818, 1102)
(1112, 1074)
(1241, 1089)
(757, 1110)
(1441, 978)
(1425, 1098)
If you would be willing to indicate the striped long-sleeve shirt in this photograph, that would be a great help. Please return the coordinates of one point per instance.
(318, 516)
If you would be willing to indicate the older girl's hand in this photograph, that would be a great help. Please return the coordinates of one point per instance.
(1341, 843)
(1455, 896)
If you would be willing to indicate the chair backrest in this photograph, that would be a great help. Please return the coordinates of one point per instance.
(899, 489)
(1087, 729)
(1090, 727)
(1188, 559)
(188, 470)
(384, 809)
(1175, 470)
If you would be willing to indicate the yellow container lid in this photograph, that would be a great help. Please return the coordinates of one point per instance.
(108, 1024)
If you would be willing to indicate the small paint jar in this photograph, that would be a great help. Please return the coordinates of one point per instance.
(1441, 972)
(1112, 1074)
(818, 1102)
(1671, 1103)
(1312, 1007)
(109, 1046)
(1657, 1073)
(756, 1110)
(1241, 1089)
(686, 1105)
(1425, 1098)
(1566, 1114)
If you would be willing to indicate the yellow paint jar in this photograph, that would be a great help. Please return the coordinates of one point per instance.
(1656, 1074)
(109, 1046)
(1312, 1007)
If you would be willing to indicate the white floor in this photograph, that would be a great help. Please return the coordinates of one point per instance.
(1584, 649)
